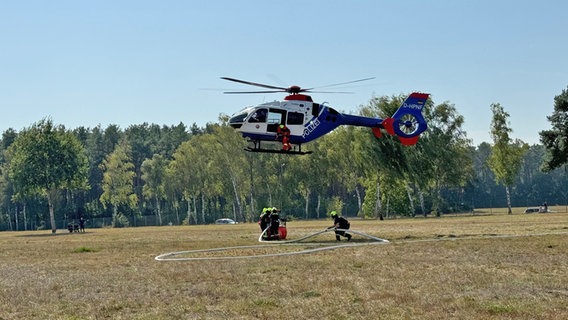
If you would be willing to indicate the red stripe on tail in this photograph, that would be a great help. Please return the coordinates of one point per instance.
(408, 141)
(419, 95)
(377, 132)
(388, 125)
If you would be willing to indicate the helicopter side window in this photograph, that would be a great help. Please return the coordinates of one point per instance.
(315, 109)
(295, 118)
(258, 116)
(275, 118)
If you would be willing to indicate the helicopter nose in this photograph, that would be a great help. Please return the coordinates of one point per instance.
(237, 121)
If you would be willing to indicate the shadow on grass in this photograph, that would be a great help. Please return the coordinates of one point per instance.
(40, 234)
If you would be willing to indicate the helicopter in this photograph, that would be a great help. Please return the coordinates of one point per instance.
(307, 120)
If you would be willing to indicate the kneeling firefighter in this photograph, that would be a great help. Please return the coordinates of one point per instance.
(340, 223)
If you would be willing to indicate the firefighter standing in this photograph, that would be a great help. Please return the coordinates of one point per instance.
(283, 134)
(274, 223)
(264, 220)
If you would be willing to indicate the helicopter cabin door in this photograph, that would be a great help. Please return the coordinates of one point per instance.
(275, 118)
(293, 120)
(257, 120)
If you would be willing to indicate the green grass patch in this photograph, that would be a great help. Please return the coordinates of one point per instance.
(311, 294)
(84, 249)
(499, 308)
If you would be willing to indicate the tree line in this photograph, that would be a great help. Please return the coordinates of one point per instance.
(195, 175)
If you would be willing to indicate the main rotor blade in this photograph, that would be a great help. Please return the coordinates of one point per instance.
(346, 92)
(254, 83)
(239, 92)
(340, 84)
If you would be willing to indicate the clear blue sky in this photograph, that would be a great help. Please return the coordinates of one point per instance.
(85, 63)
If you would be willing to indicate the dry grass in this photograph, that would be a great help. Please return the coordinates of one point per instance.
(453, 267)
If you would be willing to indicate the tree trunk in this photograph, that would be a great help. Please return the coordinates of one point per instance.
(438, 201)
(318, 207)
(378, 204)
(202, 209)
(158, 211)
(508, 192)
(188, 210)
(269, 193)
(51, 214)
(237, 199)
(307, 198)
(114, 214)
(422, 205)
(16, 220)
(10, 218)
(25, 218)
(359, 202)
(410, 200)
(252, 207)
(176, 208)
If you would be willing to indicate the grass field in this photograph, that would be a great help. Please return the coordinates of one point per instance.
(485, 266)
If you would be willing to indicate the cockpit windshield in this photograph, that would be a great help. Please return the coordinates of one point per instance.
(252, 114)
(236, 121)
(238, 118)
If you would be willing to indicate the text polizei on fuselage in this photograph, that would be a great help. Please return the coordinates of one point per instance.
(310, 127)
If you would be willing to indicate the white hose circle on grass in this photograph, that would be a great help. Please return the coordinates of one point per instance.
(175, 256)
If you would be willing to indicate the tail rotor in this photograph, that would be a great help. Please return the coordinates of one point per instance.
(407, 123)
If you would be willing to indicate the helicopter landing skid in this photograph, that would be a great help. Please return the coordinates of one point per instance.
(295, 152)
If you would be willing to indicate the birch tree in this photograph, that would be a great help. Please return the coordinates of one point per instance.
(118, 182)
(506, 154)
(153, 174)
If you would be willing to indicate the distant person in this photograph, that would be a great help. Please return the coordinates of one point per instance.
(81, 224)
(340, 223)
(264, 219)
(258, 116)
(545, 207)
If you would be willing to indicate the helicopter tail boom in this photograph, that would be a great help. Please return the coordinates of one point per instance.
(407, 123)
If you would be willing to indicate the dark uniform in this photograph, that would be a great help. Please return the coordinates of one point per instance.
(274, 223)
(264, 220)
(81, 224)
(340, 223)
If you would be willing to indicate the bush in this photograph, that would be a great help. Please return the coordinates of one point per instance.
(41, 226)
(120, 221)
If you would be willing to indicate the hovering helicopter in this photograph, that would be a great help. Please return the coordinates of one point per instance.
(307, 120)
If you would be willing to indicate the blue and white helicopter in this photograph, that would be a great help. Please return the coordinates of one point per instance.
(308, 120)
